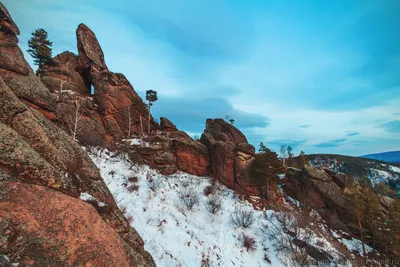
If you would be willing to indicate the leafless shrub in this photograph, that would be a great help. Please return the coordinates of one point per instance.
(123, 210)
(132, 188)
(290, 235)
(130, 219)
(266, 258)
(249, 243)
(205, 260)
(153, 184)
(208, 190)
(213, 204)
(242, 218)
(75, 119)
(133, 179)
(185, 183)
(189, 198)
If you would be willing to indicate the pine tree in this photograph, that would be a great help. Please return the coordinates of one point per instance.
(40, 48)
(392, 223)
(151, 96)
(290, 156)
(302, 159)
(265, 169)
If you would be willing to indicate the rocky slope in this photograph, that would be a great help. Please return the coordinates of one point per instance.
(43, 173)
(50, 190)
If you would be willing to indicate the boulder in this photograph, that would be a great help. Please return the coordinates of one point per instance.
(6, 22)
(231, 156)
(318, 189)
(67, 232)
(224, 131)
(64, 75)
(167, 125)
(191, 157)
(16, 72)
(343, 180)
(91, 56)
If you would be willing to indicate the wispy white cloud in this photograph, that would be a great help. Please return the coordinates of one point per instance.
(301, 74)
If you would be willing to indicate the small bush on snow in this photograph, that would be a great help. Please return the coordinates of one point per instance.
(242, 218)
(153, 184)
(249, 243)
(213, 204)
(132, 188)
(189, 198)
(208, 190)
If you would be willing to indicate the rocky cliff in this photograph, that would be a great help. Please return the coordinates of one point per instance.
(44, 174)
(109, 104)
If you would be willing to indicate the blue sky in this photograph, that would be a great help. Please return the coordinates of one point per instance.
(322, 76)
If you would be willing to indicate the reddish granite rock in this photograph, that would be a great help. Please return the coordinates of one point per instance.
(191, 157)
(115, 96)
(222, 159)
(167, 125)
(37, 159)
(48, 228)
(7, 23)
(64, 75)
(318, 189)
(224, 131)
(230, 156)
(114, 103)
(14, 69)
(91, 56)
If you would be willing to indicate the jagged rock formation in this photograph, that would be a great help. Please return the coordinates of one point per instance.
(107, 112)
(230, 155)
(42, 174)
(325, 191)
(169, 151)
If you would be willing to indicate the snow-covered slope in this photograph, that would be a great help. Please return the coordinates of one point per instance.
(178, 236)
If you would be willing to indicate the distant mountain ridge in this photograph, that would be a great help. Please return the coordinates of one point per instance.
(391, 157)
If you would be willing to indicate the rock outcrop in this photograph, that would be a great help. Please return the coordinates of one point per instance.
(169, 151)
(43, 172)
(108, 101)
(230, 155)
(324, 191)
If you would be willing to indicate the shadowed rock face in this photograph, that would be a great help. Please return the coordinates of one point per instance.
(42, 174)
(324, 191)
(230, 155)
(63, 75)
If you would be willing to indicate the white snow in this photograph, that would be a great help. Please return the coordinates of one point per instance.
(394, 169)
(137, 142)
(176, 236)
(352, 244)
(86, 196)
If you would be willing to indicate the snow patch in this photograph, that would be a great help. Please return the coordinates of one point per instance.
(176, 236)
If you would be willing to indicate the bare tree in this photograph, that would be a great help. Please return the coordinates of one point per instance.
(129, 121)
(213, 204)
(141, 124)
(291, 235)
(75, 119)
(189, 198)
(61, 84)
(242, 217)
